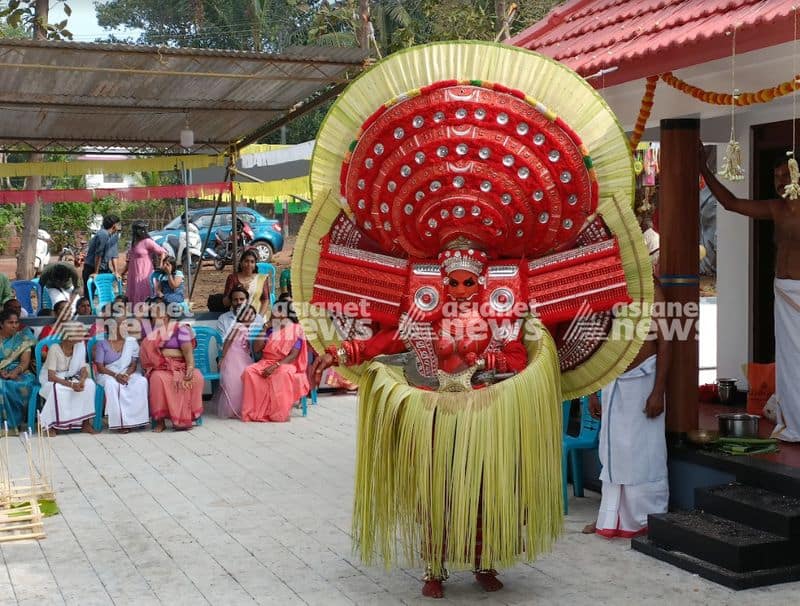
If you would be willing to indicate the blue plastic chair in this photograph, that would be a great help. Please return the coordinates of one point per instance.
(100, 392)
(587, 439)
(46, 301)
(313, 392)
(202, 355)
(23, 290)
(33, 400)
(269, 268)
(105, 287)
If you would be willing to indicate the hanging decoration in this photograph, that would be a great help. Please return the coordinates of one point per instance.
(79, 168)
(732, 161)
(765, 95)
(50, 196)
(792, 190)
(644, 112)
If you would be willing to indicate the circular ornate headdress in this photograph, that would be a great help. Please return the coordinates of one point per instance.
(468, 159)
(486, 142)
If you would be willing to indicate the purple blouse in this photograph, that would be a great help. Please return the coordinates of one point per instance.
(181, 336)
(105, 354)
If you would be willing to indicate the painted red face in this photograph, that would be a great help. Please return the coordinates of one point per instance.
(462, 285)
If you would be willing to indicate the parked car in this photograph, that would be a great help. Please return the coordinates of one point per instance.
(267, 233)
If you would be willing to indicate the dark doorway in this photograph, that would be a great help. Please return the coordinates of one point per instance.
(770, 143)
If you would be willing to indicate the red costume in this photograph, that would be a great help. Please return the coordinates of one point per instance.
(472, 229)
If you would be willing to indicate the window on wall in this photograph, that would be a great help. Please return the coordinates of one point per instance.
(113, 178)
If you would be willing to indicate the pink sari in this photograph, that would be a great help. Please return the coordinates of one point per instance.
(271, 398)
(168, 398)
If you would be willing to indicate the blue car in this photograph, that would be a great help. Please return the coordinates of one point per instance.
(268, 233)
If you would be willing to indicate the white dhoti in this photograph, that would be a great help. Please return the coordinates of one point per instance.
(633, 452)
(127, 406)
(787, 359)
(65, 408)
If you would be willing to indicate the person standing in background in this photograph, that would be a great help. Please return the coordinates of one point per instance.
(96, 256)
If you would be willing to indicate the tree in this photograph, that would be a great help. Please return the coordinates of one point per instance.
(32, 15)
(261, 25)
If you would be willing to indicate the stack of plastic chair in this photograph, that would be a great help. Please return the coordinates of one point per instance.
(269, 269)
(587, 439)
(100, 392)
(202, 354)
(23, 290)
(105, 287)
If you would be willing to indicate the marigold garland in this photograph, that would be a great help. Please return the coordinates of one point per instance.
(765, 95)
(644, 111)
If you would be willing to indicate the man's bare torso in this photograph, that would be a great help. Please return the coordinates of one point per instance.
(786, 215)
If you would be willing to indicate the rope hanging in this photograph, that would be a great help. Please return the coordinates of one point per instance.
(732, 160)
(792, 190)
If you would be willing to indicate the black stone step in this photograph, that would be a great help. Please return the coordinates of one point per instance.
(753, 506)
(726, 543)
(717, 574)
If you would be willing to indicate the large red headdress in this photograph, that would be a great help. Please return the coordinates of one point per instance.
(468, 160)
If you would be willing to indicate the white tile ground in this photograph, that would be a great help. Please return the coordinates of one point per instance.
(235, 513)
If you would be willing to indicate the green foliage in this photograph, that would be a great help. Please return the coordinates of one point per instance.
(21, 15)
(66, 222)
(263, 25)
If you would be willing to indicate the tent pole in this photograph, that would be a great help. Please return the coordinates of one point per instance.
(208, 233)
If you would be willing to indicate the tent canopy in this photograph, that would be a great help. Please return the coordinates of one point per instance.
(66, 95)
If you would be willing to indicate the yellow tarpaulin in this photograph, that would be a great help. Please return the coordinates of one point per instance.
(267, 192)
(283, 189)
(79, 168)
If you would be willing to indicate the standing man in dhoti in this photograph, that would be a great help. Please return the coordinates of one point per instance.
(633, 448)
(785, 213)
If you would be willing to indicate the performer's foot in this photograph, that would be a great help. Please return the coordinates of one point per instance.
(488, 580)
(433, 589)
(590, 528)
(87, 427)
(161, 425)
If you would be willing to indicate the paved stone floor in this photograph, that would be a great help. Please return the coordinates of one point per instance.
(234, 513)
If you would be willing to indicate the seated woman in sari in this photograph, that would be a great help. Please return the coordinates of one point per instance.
(66, 387)
(236, 357)
(246, 275)
(115, 359)
(176, 386)
(16, 380)
(278, 380)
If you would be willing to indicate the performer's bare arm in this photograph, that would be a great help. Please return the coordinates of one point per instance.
(757, 209)
(655, 402)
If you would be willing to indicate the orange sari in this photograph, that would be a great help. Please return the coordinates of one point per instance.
(169, 399)
(271, 398)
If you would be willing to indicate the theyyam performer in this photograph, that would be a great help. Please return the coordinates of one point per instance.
(469, 252)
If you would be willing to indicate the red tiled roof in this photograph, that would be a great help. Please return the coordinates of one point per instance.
(646, 37)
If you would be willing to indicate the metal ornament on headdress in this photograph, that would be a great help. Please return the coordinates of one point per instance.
(467, 259)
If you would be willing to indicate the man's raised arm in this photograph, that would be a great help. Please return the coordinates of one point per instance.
(757, 209)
